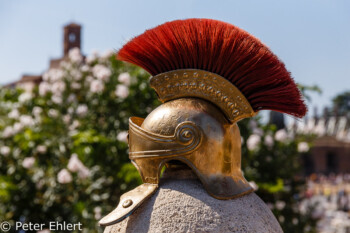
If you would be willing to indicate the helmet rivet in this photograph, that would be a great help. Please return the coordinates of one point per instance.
(127, 203)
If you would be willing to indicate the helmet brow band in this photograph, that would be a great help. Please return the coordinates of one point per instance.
(206, 85)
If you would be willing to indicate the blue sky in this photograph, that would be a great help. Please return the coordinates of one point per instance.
(312, 37)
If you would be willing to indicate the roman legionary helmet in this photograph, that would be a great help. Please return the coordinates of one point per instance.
(209, 75)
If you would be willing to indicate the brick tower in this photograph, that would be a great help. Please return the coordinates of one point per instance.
(71, 37)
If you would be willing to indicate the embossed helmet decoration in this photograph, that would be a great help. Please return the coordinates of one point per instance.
(209, 75)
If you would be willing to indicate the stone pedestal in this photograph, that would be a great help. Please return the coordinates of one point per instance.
(182, 205)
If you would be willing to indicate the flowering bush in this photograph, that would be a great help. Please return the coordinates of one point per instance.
(64, 146)
(64, 143)
(272, 159)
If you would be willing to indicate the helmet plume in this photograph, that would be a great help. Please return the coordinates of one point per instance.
(220, 48)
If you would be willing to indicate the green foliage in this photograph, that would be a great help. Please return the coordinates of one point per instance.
(342, 103)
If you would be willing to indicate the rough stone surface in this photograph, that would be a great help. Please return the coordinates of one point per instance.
(184, 206)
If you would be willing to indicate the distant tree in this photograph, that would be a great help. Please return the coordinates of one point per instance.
(305, 90)
(341, 103)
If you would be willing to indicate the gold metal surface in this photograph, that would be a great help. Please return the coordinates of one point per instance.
(128, 203)
(195, 132)
(197, 126)
(206, 85)
(187, 137)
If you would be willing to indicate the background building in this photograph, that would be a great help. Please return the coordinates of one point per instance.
(71, 39)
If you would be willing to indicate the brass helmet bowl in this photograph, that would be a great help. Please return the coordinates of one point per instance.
(195, 132)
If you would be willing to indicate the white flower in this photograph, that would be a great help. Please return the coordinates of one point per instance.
(28, 162)
(258, 131)
(37, 111)
(303, 147)
(14, 114)
(84, 172)
(41, 149)
(76, 74)
(253, 124)
(90, 59)
(26, 120)
(44, 88)
(24, 97)
(5, 150)
(280, 205)
(26, 86)
(46, 76)
(295, 221)
(40, 183)
(281, 218)
(71, 98)
(253, 142)
(74, 125)
(122, 91)
(74, 164)
(70, 110)
(124, 78)
(62, 148)
(101, 72)
(57, 99)
(82, 110)
(142, 86)
(75, 86)
(53, 113)
(64, 176)
(66, 118)
(75, 55)
(107, 54)
(96, 86)
(58, 87)
(281, 135)
(269, 141)
(85, 68)
(17, 127)
(65, 65)
(8, 132)
(54, 75)
(88, 80)
(123, 136)
(97, 211)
